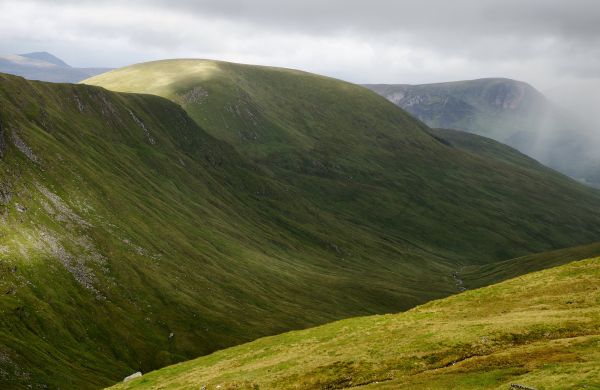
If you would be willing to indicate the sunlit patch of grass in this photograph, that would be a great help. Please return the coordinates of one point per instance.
(461, 344)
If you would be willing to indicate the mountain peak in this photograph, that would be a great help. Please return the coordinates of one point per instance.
(45, 56)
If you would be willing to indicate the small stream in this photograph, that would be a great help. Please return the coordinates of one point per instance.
(460, 285)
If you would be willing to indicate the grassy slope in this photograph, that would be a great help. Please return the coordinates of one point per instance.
(122, 228)
(483, 275)
(111, 242)
(360, 157)
(487, 148)
(541, 330)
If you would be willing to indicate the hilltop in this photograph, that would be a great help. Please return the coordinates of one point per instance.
(539, 330)
(509, 111)
(358, 156)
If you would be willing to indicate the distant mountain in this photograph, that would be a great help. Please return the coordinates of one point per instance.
(508, 111)
(45, 67)
(47, 57)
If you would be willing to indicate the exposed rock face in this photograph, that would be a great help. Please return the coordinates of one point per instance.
(141, 124)
(506, 96)
(23, 147)
(196, 95)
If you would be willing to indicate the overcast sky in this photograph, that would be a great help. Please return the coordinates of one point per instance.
(550, 43)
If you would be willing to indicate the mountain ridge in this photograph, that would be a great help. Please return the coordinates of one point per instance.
(509, 111)
(238, 106)
(133, 237)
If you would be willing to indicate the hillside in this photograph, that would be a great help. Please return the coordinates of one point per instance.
(45, 67)
(132, 239)
(508, 111)
(540, 330)
(133, 236)
(358, 156)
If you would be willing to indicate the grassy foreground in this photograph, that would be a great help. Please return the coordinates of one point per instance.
(539, 330)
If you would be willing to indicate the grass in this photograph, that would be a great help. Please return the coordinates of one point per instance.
(540, 330)
(359, 157)
(136, 234)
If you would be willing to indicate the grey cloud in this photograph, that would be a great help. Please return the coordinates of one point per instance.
(569, 18)
(573, 18)
(490, 36)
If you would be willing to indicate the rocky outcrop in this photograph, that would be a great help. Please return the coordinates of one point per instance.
(141, 124)
(132, 377)
(23, 147)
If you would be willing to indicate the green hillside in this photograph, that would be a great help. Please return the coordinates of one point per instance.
(358, 156)
(509, 111)
(540, 330)
(133, 236)
(131, 239)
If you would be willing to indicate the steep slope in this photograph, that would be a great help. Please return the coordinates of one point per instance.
(506, 110)
(487, 148)
(360, 157)
(46, 67)
(131, 239)
(540, 330)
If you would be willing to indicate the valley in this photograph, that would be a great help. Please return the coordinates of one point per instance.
(299, 195)
(139, 230)
(535, 331)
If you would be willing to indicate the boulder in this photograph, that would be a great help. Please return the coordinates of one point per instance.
(132, 377)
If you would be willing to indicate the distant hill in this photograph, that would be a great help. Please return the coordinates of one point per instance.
(45, 67)
(46, 57)
(508, 111)
(539, 331)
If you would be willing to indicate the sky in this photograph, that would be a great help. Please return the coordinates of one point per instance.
(552, 44)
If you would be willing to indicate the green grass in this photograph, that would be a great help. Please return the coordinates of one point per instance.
(136, 234)
(540, 330)
(358, 156)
